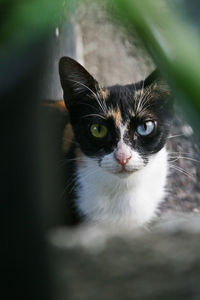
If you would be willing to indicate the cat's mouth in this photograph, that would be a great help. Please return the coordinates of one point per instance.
(125, 171)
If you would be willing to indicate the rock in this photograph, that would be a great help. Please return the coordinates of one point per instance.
(100, 263)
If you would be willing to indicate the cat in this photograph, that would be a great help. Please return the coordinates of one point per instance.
(115, 146)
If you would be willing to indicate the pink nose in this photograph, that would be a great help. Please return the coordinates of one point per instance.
(122, 158)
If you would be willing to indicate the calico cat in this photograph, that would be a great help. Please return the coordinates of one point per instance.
(114, 146)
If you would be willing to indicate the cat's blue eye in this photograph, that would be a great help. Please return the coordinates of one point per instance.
(146, 128)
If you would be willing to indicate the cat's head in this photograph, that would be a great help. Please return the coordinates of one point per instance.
(118, 127)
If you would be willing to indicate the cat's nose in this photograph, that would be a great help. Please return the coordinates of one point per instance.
(122, 158)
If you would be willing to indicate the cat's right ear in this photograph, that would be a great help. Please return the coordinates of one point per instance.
(75, 80)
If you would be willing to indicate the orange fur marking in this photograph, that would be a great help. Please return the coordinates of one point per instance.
(68, 136)
(116, 114)
(105, 93)
(60, 105)
(117, 117)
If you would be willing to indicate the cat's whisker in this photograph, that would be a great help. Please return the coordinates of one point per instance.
(76, 159)
(143, 85)
(73, 187)
(73, 180)
(71, 141)
(145, 107)
(181, 170)
(90, 173)
(94, 115)
(186, 158)
(173, 159)
(82, 84)
(93, 93)
(138, 108)
(138, 100)
(174, 136)
(142, 94)
(143, 100)
(179, 153)
(67, 160)
(147, 97)
(101, 103)
(134, 86)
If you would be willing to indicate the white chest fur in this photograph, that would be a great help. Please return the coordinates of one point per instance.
(131, 200)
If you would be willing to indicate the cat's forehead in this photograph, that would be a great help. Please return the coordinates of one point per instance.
(124, 102)
(120, 96)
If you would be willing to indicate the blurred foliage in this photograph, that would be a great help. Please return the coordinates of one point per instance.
(170, 39)
(172, 42)
(24, 21)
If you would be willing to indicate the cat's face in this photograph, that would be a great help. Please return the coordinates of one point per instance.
(118, 127)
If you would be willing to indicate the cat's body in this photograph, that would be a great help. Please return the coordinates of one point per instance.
(117, 161)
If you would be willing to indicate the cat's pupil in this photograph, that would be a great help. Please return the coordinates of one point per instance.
(98, 130)
(145, 128)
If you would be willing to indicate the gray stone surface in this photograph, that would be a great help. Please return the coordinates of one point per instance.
(99, 263)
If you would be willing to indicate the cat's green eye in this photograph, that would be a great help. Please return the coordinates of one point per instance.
(98, 130)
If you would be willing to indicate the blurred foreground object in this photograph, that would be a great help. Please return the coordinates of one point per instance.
(24, 31)
(97, 263)
(172, 44)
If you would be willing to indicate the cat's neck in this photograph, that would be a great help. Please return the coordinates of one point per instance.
(111, 198)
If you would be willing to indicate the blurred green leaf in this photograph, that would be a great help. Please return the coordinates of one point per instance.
(172, 42)
(25, 20)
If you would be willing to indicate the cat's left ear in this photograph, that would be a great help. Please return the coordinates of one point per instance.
(75, 80)
(161, 91)
(156, 81)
